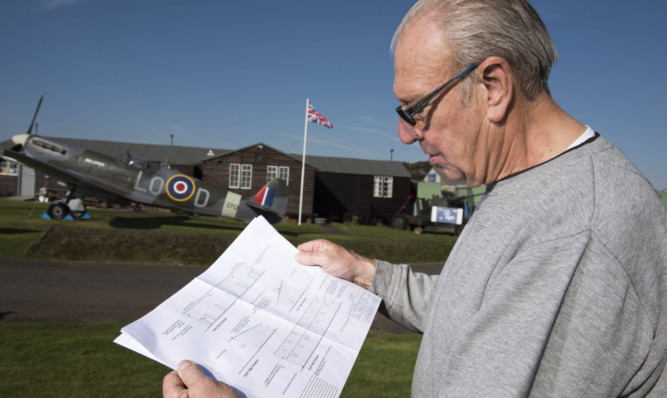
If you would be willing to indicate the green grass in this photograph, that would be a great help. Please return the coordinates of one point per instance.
(70, 360)
(159, 236)
(19, 226)
(384, 366)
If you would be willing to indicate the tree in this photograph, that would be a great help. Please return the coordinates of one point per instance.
(418, 170)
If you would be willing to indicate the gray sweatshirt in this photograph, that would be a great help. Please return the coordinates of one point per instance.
(557, 287)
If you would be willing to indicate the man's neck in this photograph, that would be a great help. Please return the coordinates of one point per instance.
(541, 132)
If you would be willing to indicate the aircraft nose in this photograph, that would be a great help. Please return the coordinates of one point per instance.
(20, 139)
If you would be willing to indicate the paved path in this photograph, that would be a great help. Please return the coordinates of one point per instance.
(51, 291)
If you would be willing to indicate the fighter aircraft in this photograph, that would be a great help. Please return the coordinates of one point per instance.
(90, 173)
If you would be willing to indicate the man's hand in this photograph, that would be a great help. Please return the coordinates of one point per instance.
(337, 261)
(189, 381)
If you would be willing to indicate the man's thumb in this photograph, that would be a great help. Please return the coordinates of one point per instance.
(190, 373)
(198, 380)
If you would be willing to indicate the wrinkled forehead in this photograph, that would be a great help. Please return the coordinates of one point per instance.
(421, 59)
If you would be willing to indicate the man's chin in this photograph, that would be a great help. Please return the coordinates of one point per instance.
(453, 175)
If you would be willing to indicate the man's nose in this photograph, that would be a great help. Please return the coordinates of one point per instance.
(408, 133)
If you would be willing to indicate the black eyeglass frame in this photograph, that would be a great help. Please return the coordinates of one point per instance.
(407, 113)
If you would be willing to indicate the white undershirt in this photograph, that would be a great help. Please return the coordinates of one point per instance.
(588, 133)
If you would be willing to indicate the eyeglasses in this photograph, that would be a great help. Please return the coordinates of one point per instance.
(407, 113)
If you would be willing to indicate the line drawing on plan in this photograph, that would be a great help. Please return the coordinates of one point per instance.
(307, 334)
(213, 304)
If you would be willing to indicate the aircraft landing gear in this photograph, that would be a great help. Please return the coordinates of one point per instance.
(57, 211)
(77, 213)
(60, 210)
(73, 206)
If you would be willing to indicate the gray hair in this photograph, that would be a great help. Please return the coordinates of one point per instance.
(478, 29)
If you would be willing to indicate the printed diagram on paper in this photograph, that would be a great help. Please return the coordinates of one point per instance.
(261, 322)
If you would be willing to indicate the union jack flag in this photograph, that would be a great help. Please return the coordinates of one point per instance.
(316, 117)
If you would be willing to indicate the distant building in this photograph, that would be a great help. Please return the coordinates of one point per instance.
(247, 169)
(366, 191)
(10, 177)
(436, 175)
(458, 188)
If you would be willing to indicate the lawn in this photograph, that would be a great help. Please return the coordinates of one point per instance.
(73, 360)
(159, 236)
(80, 360)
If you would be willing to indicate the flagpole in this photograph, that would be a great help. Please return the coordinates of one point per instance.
(303, 159)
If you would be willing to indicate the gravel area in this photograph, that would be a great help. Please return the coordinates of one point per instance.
(82, 292)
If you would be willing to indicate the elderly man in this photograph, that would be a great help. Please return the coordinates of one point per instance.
(557, 285)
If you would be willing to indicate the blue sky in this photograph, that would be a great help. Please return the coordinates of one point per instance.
(228, 74)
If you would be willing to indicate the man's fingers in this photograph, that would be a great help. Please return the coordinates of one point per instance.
(312, 252)
(200, 385)
(305, 258)
(191, 373)
(173, 387)
(313, 246)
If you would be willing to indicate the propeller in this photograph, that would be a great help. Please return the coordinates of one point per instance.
(35, 115)
(20, 140)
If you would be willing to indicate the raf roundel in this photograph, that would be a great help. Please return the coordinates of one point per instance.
(180, 187)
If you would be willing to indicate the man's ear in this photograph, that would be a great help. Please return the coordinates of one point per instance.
(497, 78)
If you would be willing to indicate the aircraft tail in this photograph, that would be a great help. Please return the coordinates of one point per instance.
(270, 201)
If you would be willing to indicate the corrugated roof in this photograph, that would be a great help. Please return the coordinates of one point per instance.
(186, 155)
(356, 166)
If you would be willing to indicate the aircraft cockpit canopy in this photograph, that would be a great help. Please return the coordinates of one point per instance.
(134, 161)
